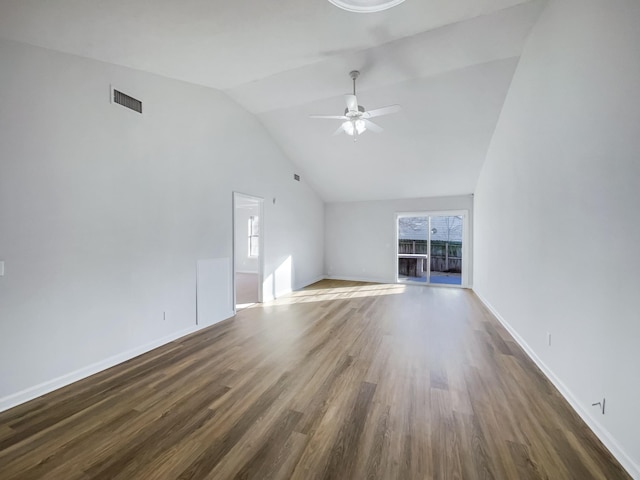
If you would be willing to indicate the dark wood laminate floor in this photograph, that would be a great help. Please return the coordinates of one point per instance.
(340, 380)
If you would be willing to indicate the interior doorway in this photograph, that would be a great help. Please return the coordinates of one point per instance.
(248, 223)
(431, 248)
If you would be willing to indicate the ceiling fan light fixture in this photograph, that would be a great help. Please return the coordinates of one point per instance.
(356, 119)
(348, 127)
(353, 127)
(365, 6)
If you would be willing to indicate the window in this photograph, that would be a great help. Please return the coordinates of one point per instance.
(254, 236)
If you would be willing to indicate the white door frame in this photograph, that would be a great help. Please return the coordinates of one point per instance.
(235, 197)
(465, 243)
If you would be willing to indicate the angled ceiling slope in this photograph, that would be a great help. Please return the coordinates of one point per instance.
(451, 83)
(448, 63)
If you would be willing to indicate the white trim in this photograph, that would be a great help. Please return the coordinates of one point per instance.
(280, 294)
(433, 213)
(348, 278)
(270, 297)
(260, 257)
(602, 433)
(69, 378)
(226, 316)
(466, 225)
(433, 285)
(306, 284)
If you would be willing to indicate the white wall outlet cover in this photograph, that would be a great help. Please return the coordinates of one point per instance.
(1, 268)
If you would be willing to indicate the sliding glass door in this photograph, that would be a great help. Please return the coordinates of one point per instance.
(445, 249)
(413, 249)
(430, 248)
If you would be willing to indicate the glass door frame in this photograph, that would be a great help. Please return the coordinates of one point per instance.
(465, 245)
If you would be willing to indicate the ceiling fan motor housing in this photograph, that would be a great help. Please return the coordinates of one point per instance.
(349, 113)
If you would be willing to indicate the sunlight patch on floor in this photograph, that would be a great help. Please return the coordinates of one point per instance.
(327, 294)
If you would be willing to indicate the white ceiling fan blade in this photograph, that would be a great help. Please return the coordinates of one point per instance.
(352, 103)
(372, 126)
(329, 117)
(381, 111)
(339, 130)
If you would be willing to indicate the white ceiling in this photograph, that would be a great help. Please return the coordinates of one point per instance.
(447, 62)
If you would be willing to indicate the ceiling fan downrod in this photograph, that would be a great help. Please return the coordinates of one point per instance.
(354, 74)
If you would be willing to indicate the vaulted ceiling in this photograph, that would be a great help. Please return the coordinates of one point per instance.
(448, 63)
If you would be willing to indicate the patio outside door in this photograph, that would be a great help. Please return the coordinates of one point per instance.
(430, 248)
(445, 250)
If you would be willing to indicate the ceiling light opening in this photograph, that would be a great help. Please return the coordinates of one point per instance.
(365, 6)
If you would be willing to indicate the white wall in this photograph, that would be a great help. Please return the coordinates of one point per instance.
(245, 263)
(556, 211)
(104, 212)
(360, 236)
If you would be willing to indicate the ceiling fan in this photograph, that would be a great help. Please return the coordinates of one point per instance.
(355, 120)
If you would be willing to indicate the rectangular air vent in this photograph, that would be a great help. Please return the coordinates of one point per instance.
(296, 177)
(127, 101)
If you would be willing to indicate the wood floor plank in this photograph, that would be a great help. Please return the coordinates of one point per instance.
(526, 467)
(268, 456)
(473, 443)
(445, 438)
(289, 458)
(341, 380)
(6, 431)
(344, 454)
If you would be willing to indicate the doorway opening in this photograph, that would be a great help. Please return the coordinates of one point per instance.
(431, 248)
(248, 223)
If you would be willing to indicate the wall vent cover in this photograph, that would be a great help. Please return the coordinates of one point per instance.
(296, 177)
(127, 101)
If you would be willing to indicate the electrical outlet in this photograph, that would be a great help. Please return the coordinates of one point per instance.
(164, 316)
(549, 338)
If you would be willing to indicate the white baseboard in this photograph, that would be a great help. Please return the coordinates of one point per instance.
(602, 433)
(349, 278)
(311, 282)
(299, 286)
(225, 316)
(64, 380)
(280, 293)
(302, 285)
